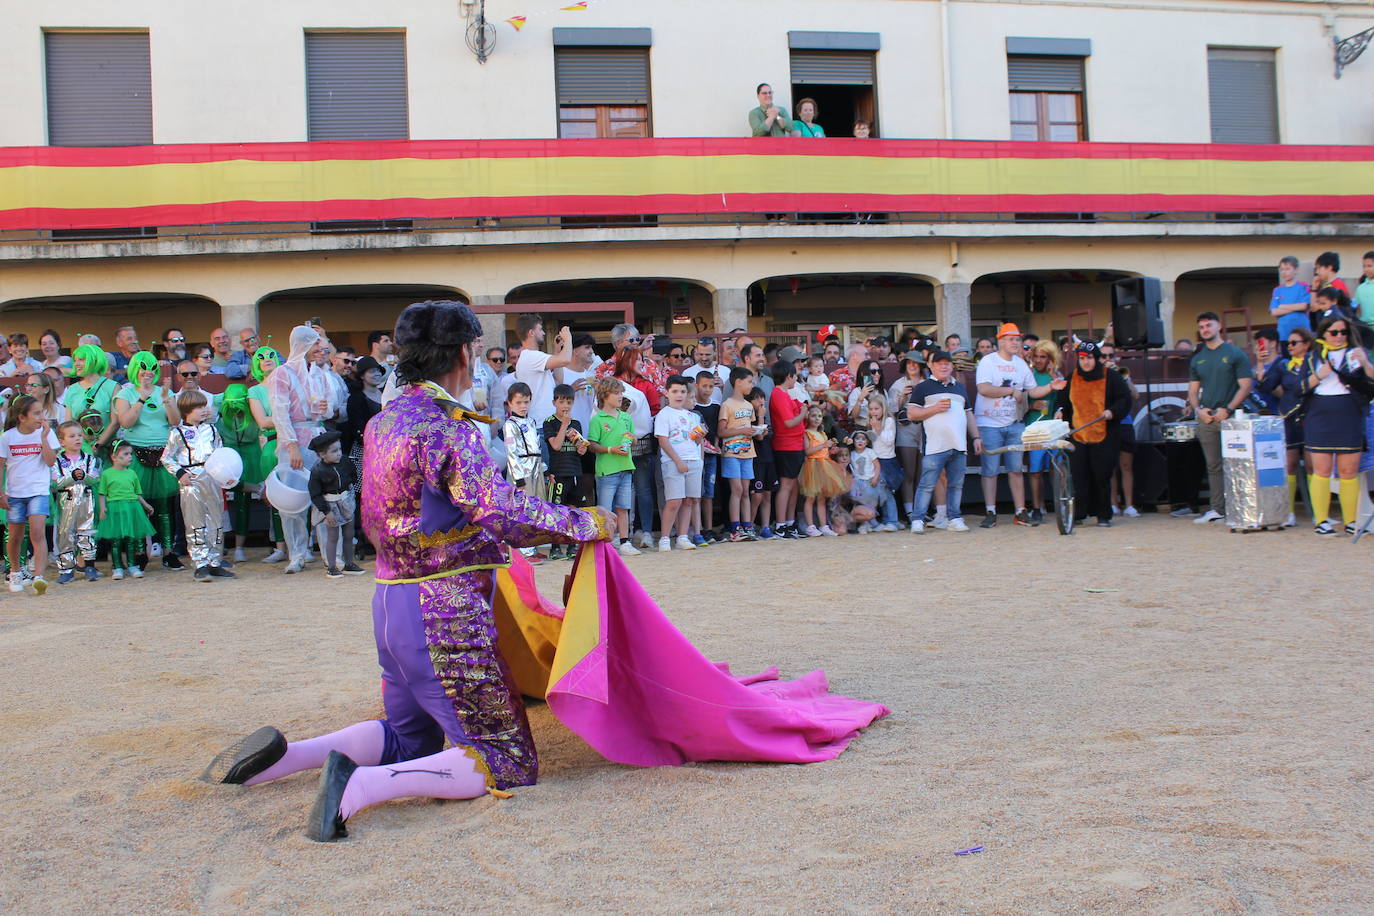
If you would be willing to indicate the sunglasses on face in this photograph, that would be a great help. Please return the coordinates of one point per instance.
(189, 374)
(176, 340)
(634, 340)
(348, 362)
(1296, 341)
(1341, 332)
(496, 359)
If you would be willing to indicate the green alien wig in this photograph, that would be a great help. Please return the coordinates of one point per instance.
(260, 354)
(91, 359)
(233, 409)
(143, 361)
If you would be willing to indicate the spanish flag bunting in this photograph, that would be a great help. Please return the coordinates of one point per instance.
(517, 22)
(576, 6)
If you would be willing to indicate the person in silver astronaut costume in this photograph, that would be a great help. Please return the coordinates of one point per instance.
(74, 476)
(202, 502)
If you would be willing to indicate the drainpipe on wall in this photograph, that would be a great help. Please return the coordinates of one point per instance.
(945, 89)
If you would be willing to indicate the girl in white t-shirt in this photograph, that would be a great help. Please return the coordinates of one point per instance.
(28, 448)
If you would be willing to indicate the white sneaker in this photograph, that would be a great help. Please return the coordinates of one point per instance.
(828, 531)
(957, 524)
(1291, 521)
(1185, 512)
(865, 528)
(1211, 515)
(812, 531)
(116, 574)
(16, 582)
(941, 522)
(627, 549)
(1131, 512)
(155, 551)
(917, 526)
(136, 572)
(646, 540)
(294, 566)
(276, 556)
(684, 543)
(891, 526)
(665, 544)
(239, 555)
(40, 585)
(1116, 510)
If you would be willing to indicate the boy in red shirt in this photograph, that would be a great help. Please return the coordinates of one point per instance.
(789, 433)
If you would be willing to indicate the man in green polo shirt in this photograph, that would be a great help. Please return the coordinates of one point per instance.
(769, 120)
(1219, 381)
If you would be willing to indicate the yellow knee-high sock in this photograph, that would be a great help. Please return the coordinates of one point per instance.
(1292, 493)
(1319, 491)
(1350, 499)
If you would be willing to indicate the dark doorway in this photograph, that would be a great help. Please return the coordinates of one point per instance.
(840, 106)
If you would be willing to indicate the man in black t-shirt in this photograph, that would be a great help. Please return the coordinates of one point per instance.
(566, 448)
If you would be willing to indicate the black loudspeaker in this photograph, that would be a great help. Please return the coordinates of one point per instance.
(1035, 298)
(1135, 313)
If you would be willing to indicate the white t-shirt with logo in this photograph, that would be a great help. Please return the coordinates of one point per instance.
(584, 401)
(676, 425)
(530, 369)
(25, 473)
(994, 369)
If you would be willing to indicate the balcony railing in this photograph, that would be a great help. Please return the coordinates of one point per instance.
(541, 182)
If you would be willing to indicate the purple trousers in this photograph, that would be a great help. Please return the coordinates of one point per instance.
(442, 676)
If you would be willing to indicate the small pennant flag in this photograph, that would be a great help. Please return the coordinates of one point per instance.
(577, 6)
(516, 22)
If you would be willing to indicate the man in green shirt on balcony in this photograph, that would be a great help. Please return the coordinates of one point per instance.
(769, 120)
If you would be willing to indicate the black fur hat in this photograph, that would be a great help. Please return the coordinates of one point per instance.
(446, 323)
(323, 441)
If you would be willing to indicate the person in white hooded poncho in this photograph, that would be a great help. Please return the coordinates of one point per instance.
(299, 395)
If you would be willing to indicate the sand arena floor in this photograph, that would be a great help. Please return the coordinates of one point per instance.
(1197, 741)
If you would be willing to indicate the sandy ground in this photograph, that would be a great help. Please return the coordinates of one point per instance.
(1197, 741)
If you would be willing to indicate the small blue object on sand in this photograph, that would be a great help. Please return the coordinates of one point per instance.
(968, 852)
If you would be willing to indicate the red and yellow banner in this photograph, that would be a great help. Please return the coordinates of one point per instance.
(66, 187)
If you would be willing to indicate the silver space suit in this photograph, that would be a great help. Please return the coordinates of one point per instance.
(73, 490)
(202, 500)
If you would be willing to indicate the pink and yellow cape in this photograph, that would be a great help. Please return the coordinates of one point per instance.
(617, 672)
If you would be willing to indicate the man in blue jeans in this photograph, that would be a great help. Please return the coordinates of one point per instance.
(942, 404)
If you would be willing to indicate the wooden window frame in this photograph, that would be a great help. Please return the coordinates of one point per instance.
(1042, 109)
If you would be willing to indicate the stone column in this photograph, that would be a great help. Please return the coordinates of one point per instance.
(494, 325)
(1166, 313)
(730, 309)
(953, 312)
(234, 318)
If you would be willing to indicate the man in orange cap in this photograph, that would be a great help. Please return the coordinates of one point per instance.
(1005, 384)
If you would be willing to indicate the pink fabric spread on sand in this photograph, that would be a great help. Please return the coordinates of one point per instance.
(643, 695)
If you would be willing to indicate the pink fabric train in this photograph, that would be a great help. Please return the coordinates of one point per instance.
(624, 679)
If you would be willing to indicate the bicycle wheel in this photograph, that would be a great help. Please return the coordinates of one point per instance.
(1063, 490)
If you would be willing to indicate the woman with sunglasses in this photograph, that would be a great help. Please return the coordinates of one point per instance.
(1289, 376)
(203, 355)
(1335, 426)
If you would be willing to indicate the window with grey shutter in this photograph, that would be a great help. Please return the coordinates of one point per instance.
(356, 86)
(99, 87)
(834, 68)
(1242, 89)
(1044, 74)
(602, 76)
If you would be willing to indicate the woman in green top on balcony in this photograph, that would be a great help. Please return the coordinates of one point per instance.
(147, 411)
(805, 125)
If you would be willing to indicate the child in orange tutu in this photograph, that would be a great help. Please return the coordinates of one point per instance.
(821, 478)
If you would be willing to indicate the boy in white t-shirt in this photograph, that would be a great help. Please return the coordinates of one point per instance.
(679, 432)
(27, 452)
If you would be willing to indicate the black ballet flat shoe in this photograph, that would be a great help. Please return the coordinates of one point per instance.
(325, 824)
(250, 756)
